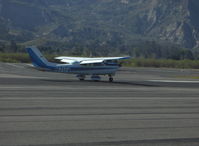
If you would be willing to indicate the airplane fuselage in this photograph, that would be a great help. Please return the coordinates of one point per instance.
(83, 70)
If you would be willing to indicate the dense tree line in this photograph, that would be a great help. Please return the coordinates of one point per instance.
(137, 49)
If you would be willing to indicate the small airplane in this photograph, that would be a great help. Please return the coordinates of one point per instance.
(80, 66)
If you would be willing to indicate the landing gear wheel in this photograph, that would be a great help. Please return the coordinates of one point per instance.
(95, 78)
(110, 79)
(81, 77)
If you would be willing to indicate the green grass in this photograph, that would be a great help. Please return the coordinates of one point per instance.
(167, 63)
(14, 57)
(188, 77)
(19, 57)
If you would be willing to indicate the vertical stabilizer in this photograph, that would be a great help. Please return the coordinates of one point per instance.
(38, 60)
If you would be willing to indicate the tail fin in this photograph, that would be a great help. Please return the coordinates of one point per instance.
(38, 60)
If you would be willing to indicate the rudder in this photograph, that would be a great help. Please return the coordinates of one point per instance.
(38, 60)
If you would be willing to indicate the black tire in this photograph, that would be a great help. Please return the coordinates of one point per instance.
(110, 79)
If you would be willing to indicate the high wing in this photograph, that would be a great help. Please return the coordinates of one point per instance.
(71, 60)
(84, 60)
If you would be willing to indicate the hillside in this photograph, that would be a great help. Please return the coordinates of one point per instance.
(108, 26)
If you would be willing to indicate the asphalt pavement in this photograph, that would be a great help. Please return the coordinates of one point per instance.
(142, 107)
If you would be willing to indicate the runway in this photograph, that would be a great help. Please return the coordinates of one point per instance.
(143, 107)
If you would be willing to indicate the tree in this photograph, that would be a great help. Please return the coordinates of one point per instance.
(13, 46)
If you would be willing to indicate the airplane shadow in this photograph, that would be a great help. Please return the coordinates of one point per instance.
(115, 83)
(119, 83)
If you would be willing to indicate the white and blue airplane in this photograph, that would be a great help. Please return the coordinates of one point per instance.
(80, 66)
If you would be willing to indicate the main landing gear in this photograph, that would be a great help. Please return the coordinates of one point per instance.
(81, 77)
(94, 77)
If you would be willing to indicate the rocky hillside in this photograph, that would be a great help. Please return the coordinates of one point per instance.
(100, 24)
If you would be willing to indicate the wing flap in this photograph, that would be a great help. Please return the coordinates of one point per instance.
(117, 58)
(67, 61)
(91, 61)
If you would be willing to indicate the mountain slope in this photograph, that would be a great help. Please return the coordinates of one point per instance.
(99, 24)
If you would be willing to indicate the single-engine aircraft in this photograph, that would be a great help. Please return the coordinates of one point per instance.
(80, 66)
